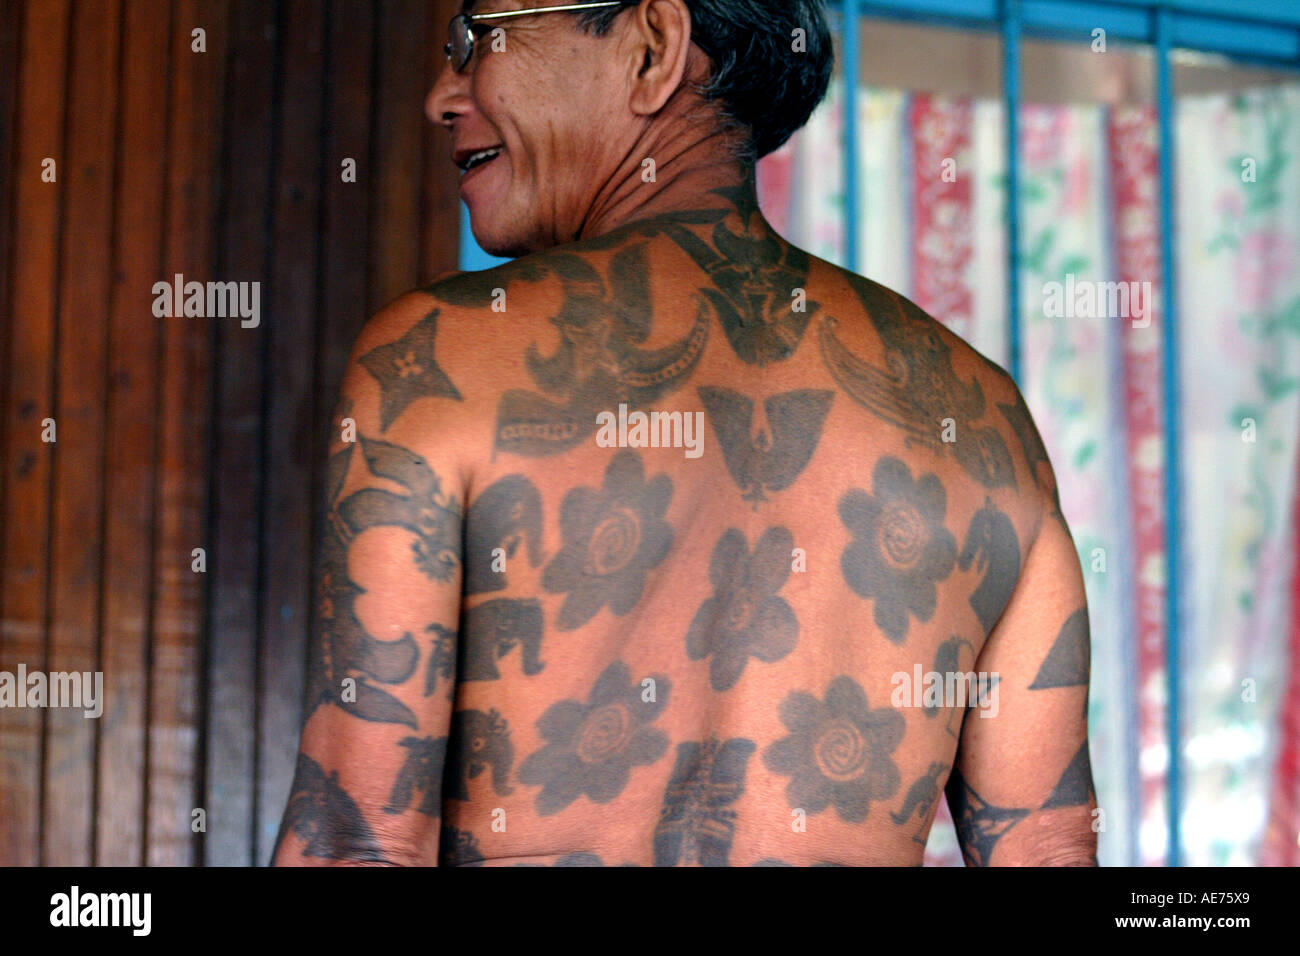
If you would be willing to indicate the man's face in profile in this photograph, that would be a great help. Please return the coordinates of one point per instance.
(547, 95)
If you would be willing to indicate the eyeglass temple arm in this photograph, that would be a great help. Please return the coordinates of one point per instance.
(567, 6)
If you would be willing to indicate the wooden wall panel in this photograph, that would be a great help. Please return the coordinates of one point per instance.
(237, 443)
(134, 399)
(28, 399)
(398, 132)
(290, 446)
(179, 433)
(81, 347)
(193, 138)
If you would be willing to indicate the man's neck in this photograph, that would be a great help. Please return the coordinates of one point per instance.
(678, 186)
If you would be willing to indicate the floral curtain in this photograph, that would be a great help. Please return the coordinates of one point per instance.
(931, 175)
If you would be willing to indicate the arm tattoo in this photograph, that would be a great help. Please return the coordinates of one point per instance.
(919, 388)
(613, 537)
(406, 370)
(992, 546)
(322, 814)
(772, 456)
(421, 770)
(1074, 789)
(979, 824)
(344, 649)
(697, 823)
(591, 748)
(900, 548)
(839, 751)
(745, 617)
(1066, 664)
(1022, 423)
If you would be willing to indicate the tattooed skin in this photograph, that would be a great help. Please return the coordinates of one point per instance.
(920, 389)
(321, 813)
(344, 649)
(492, 630)
(1022, 423)
(757, 284)
(1074, 789)
(922, 801)
(696, 825)
(745, 617)
(480, 742)
(407, 370)
(458, 848)
(613, 536)
(992, 547)
(1067, 662)
(900, 547)
(980, 824)
(770, 454)
(570, 654)
(592, 748)
(422, 772)
(947, 660)
(507, 514)
(598, 364)
(839, 751)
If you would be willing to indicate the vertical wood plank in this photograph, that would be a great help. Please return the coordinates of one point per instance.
(289, 428)
(10, 38)
(395, 259)
(440, 219)
(29, 398)
(194, 116)
(84, 280)
(132, 422)
(230, 767)
(346, 205)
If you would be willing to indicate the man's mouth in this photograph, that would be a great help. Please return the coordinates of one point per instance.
(472, 159)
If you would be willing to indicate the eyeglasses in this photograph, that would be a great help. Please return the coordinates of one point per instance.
(460, 32)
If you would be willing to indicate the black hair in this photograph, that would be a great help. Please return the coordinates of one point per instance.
(767, 88)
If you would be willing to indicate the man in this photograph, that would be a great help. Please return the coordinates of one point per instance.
(667, 543)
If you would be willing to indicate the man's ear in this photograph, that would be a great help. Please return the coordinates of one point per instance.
(660, 35)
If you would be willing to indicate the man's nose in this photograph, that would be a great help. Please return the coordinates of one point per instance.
(449, 97)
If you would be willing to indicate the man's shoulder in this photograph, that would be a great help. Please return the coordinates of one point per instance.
(913, 339)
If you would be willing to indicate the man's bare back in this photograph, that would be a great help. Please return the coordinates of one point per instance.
(545, 641)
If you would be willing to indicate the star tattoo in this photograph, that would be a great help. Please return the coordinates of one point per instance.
(406, 370)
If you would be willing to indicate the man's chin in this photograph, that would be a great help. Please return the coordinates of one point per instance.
(502, 245)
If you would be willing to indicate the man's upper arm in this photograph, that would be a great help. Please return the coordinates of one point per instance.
(1022, 792)
(367, 788)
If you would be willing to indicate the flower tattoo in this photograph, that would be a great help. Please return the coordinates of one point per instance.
(591, 748)
(745, 617)
(838, 751)
(900, 548)
(612, 538)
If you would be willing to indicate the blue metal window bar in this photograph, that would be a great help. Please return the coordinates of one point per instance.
(1257, 32)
